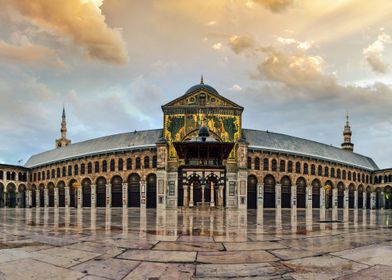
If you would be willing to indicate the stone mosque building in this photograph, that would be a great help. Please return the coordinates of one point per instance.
(202, 157)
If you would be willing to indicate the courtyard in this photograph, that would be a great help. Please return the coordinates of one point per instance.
(195, 244)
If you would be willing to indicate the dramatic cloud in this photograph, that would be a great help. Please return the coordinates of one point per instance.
(305, 45)
(275, 5)
(242, 43)
(79, 20)
(374, 53)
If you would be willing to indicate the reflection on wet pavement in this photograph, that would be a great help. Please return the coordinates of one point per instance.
(195, 244)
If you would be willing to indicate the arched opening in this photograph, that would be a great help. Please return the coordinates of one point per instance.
(197, 195)
(351, 196)
(72, 193)
(151, 191)
(134, 190)
(286, 191)
(316, 186)
(101, 192)
(328, 194)
(360, 196)
(301, 192)
(269, 191)
(368, 197)
(11, 195)
(34, 196)
(116, 191)
(340, 195)
(86, 190)
(61, 188)
(1, 195)
(41, 195)
(51, 194)
(22, 196)
(252, 192)
(388, 197)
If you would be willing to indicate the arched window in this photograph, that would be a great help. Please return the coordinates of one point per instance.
(266, 164)
(96, 167)
(64, 171)
(89, 168)
(1, 175)
(249, 163)
(333, 172)
(39, 176)
(354, 176)
(129, 164)
(297, 167)
(349, 175)
(344, 174)
(326, 171)
(58, 172)
(155, 162)
(104, 166)
(319, 171)
(120, 164)
(112, 165)
(274, 165)
(257, 163)
(35, 176)
(306, 169)
(69, 170)
(83, 169)
(138, 163)
(146, 162)
(53, 173)
(359, 177)
(367, 179)
(290, 166)
(76, 170)
(282, 166)
(338, 173)
(47, 175)
(313, 169)
(43, 175)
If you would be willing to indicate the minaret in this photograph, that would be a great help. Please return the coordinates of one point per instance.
(63, 141)
(347, 145)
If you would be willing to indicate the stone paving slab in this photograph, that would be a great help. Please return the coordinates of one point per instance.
(238, 270)
(379, 272)
(162, 271)
(245, 246)
(159, 256)
(189, 246)
(235, 257)
(371, 255)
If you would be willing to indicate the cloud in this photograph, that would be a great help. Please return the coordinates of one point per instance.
(374, 53)
(79, 20)
(305, 45)
(217, 46)
(241, 43)
(275, 6)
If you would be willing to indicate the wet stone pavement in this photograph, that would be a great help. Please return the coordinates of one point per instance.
(195, 244)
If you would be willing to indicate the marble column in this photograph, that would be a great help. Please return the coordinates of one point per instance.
(37, 199)
(185, 202)
(260, 196)
(5, 199)
(93, 196)
(356, 199)
(108, 195)
(212, 203)
(322, 198)
(56, 197)
(382, 200)
(67, 196)
(335, 198)
(46, 197)
(364, 199)
(345, 199)
(294, 197)
(202, 194)
(191, 196)
(220, 197)
(373, 200)
(309, 198)
(125, 195)
(79, 197)
(278, 196)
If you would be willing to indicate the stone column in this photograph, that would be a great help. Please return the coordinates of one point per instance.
(322, 198)
(364, 200)
(5, 198)
(79, 196)
(278, 196)
(260, 196)
(309, 198)
(382, 200)
(143, 194)
(294, 197)
(67, 197)
(93, 196)
(220, 197)
(202, 194)
(56, 197)
(373, 200)
(108, 195)
(46, 197)
(345, 199)
(356, 199)
(335, 198)
(185, 197)
(29, 199)
(191, 196)
(125, 195)
(37, 199)
(212, 202)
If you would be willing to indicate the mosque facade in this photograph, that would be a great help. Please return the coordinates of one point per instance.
(202, 157)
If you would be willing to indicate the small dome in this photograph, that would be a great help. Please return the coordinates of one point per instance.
(204, 132)
(200, 87)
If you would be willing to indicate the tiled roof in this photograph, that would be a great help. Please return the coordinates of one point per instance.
(284, 143)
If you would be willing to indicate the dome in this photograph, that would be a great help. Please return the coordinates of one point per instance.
(204, 132)
(202, 86)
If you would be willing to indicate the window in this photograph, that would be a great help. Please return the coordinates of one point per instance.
(146, 162)
(104, 166)
(58, 172)
(155, 163)
(359, 177)
(64, 171)
(112, 165)
(43, 175)
(69, 170)
(306, 169)
(35, 176)
(313, 169)
(96, 167)
(354, 176)
(320, 171)
(1, 175)
(76, 170)
(39, 176)
(344, 174)
(349, 175)
(249, 163)
(266, 164)
(53, 173)
(298, 167)
(83, 169)
(138, 164)
(120, 164)
(367, 179)
(274, 165)
(47, 175)
(333, 172)
(89, 168)
(326, 171)
(282, 166)
(290, 166)
(129, 164)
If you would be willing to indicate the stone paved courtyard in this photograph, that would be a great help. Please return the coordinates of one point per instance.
(195, 244)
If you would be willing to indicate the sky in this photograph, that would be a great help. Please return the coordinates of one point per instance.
(297, 66)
